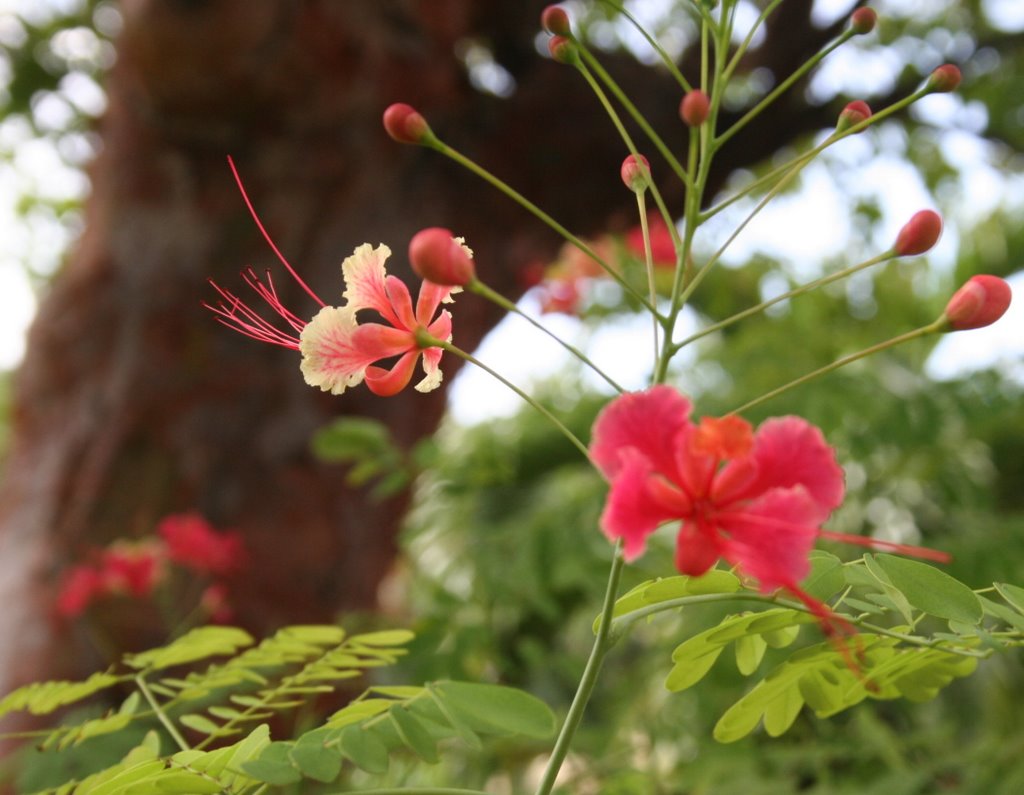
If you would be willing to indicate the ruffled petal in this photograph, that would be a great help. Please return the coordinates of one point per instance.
(650, 422)
(364, 275)
(442, 327)
(336, 350)
(789, 451)
(632, 511)
(431, 366)
(770, 539)
(386, 383)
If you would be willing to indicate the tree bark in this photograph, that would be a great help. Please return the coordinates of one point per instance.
(133, 404)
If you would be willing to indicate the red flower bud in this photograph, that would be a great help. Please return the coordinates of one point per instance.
(403, 123)
(980, 302)
(854, 113)
(438, 257)
(919, 234)
(563, 49)
(693, 110)
(555, 21)
(635, 172)
(944, 79)
(863, 20)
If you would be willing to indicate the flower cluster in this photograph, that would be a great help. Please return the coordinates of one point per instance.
(136, 569)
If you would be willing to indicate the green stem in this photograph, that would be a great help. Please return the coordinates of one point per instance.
(742, 49)
(636, 115)
(160, 714)
(784, 86)
(484, 291)
(610, 110)
(931, 328)
(426, 341)
(622, 623)
(641, 206)
(602, 643)
(841, 274)
(532, 208)
(668, 63)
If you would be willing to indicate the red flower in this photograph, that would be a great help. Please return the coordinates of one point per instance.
(132, 568)
(81, 585)
(192, 542)
(755, 499)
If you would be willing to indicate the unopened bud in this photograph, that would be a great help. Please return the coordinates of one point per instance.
(404, 123)
(693, 110)
(854, 113)
(555, 21)
(919, 234)
(563, 49)
(980, 302)
(944, 79)
(636, 172)
(863, 20)
(438, 257)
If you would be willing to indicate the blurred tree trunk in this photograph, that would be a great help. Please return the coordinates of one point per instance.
(133, 403)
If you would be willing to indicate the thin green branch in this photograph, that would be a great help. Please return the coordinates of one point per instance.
(637, 116)
(931, 328)
(159, 712)
(526, 204)
(665, 59)
(426, 340)
(481, 289)
(804, 288)
(602, 643)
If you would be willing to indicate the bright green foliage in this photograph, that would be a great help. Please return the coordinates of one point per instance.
(256, 682)
(370, 448)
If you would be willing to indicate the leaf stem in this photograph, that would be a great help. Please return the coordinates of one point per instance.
(931, 328)
(159, 712)
(481, 289)
(427, 341)
(602, 643)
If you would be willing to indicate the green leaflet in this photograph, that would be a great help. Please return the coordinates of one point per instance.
(820, 677)
(41, 698)
(198, 644)
(930, 590)
(693, 658)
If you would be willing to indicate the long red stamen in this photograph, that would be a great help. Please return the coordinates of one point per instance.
(236, 314)
(888, 546)
(266, 235)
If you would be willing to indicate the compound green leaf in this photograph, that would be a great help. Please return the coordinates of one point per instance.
(365, 749)
(413, 734)
(750, 651)
(273, 765)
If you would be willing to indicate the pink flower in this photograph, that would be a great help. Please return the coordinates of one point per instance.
(756, 499)
(216, 604)
(337, 350)
(132, 568)
(80, 586)
(192, 542)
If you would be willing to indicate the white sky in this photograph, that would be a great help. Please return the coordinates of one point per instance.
(29, 166)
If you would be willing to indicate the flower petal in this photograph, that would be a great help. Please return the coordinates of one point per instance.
(430, 298)
(649, 422)
(770, 539)
(789, 451)
(364, 275)
(632, 511)
(431, 366)
(336, 350)
(696, 550)
(390, 382)
(401, 303)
